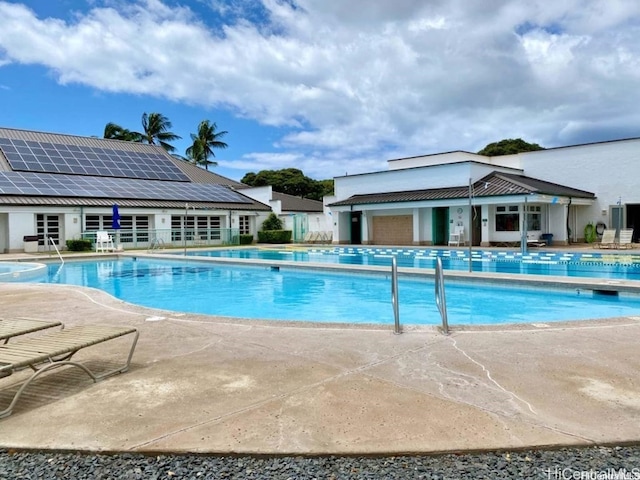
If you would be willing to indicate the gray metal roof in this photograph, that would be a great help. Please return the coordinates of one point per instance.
(292, 203)
(494, 184)
(131, 203)
(235, 200)
(77, 140)
(200, 175)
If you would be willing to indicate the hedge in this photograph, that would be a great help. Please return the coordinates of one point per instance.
(274, 236)
(246, 239)
(79, 245)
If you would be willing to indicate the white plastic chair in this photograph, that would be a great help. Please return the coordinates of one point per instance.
(104, 242)
(456, 238)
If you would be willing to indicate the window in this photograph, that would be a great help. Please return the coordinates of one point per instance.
(534, 217)
(243, 223)
(131, 226)
(97, 222)
(204, 228)
(507, 218)
(47, 226)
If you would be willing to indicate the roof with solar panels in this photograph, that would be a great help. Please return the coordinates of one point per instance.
(52, 169)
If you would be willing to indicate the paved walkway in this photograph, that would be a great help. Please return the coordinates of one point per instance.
(209, 384)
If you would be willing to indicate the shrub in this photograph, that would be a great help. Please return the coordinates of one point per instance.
(80, 245)
(275, 236)
(272, 222)
(246, 239)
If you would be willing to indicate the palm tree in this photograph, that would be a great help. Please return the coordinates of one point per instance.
(116, 132)
(195, 153)
(204, 142)
(156, 129)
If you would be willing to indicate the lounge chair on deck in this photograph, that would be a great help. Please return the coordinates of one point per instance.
(14, 328)
(608, 239)
(626, 236)
(535, 242)
(45, 352)
(313, 237)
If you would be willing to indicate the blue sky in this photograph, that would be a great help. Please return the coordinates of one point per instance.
(327, 86)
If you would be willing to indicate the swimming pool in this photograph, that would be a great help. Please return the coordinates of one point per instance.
(261, 292)
(569, 264)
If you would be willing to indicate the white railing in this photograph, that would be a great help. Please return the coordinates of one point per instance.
(441, 299)
(56, 247)
(394, 295)
(167, 238)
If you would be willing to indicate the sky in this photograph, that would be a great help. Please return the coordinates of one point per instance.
(331, 87)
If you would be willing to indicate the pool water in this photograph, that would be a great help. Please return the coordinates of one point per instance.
(569, 264)
(312, 295)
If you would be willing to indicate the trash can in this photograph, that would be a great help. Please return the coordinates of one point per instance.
(547, 238)
(30, 243)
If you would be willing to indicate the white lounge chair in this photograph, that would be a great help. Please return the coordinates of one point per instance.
(104, 242)
(626, 235)
(535, 242)
(608, 239)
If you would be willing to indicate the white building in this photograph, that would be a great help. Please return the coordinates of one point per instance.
(300, 215)
(55, 188)
(422, 200)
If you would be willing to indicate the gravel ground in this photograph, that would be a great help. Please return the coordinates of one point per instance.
(602, 463)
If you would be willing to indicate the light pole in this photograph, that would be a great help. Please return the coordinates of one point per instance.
(619, 216)
(184, 228)
(523, 240)
(470, 226)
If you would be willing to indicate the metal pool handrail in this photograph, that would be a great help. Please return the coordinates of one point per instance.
(394, 295)
(57, 251)
(441, 299)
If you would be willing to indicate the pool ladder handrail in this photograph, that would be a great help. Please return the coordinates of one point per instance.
(394, 295)
(56, 248)
(156, 244)
(441, 298)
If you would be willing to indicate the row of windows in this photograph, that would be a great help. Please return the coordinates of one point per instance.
(137, 226)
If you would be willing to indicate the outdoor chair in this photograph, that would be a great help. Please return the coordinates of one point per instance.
(456, 238)
(626, 235)
(608, 239)
(14, 328)
(535, 242)
(44, 352)
(104, 242)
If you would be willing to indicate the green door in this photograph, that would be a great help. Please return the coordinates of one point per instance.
(440, 226)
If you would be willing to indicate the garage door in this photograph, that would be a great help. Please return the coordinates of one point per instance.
(393, 230)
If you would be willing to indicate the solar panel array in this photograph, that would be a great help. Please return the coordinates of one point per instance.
(47, 157)
(60, 185)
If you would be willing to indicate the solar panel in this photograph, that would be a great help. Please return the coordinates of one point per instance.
(46, 157)
(61, 185)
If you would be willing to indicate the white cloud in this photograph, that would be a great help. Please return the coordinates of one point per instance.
(359, 82)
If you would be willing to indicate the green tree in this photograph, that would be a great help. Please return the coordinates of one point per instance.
(272, 222)
(509, 146)
(204, 142)
(156, 131)
(291, 181)
(116, 132)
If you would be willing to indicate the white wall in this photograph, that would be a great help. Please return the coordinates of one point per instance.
(4, 232)
(510, 161)
(420, 178)
(20, 224)
(610, 170)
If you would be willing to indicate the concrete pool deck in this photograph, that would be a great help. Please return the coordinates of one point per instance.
(218, 385)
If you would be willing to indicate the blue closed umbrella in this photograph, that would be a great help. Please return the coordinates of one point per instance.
(115, 218)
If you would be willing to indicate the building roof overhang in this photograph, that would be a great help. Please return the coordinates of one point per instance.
(496, 184)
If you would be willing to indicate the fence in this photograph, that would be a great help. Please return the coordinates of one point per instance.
(167, 238)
